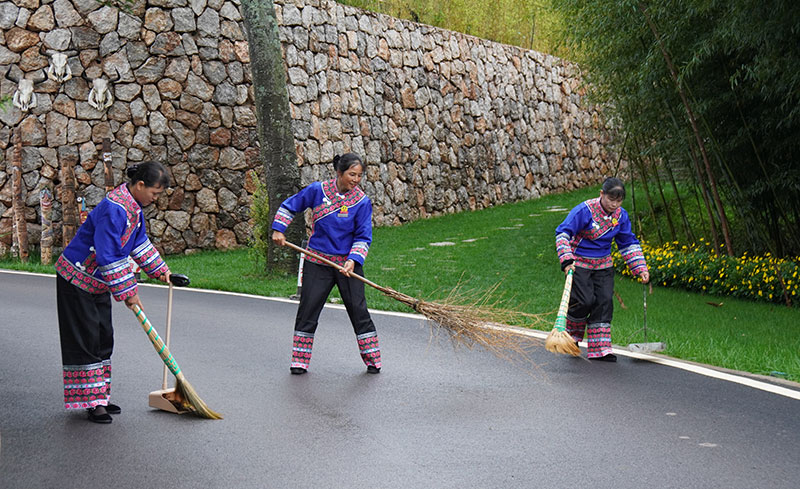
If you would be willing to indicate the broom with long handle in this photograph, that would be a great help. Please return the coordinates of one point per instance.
(559, 341)
(467, 325)
(190, 400)
(168, 399)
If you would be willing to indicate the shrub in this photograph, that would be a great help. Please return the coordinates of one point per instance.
(262, 224)
(697, 267)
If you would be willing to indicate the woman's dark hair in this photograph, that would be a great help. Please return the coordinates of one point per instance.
(152, 173)
(343, 163)
(614, 188)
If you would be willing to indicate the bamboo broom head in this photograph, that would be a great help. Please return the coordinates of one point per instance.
(190, 401)
(559, 341)
(471, 322)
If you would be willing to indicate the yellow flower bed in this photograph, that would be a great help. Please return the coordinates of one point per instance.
(697, 267)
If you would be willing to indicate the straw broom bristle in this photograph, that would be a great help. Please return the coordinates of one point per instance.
(190, 401)
(186, 398)
(475, 323)
(559, 341)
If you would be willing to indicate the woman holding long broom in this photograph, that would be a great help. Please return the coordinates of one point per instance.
(583, 242)
(93, 264)
(341, 232)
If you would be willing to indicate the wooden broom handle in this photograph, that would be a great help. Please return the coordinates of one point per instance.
(166, 339)
(334, 265)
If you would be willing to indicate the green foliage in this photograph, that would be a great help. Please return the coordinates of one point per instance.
(530, 24)
(262, 224)
(698, 268)
(739, 64)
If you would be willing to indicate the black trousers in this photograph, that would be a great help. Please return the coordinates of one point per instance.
(87, 340)
(592, 298)
(84, 323)
(318, 281)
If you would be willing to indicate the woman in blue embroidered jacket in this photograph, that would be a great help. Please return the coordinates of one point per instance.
(583, 242)
(93, 264)
(341, 232)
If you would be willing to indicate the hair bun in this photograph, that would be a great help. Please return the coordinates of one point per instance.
(336, 159)
(132, 170)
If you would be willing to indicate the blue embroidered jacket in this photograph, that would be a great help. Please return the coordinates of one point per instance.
(341, 225)
(96, 260)
(586, 235)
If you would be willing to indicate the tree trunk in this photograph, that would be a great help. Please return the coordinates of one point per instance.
(274, 122)
(18, 203)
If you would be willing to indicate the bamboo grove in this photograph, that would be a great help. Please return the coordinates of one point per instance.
(706, 97)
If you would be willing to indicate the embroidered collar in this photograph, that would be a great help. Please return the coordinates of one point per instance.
(331, 191)
(122, 197)
(600, 215)
(332, 200)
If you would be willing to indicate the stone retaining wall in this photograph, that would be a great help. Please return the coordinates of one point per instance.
(446, 122)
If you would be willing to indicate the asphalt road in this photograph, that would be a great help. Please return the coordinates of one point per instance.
(434, 418)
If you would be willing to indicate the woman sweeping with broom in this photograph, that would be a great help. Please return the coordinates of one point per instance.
(93, 264)
(583, 242)
(341, 232)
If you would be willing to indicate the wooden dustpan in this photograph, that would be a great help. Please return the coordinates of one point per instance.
(167, 399)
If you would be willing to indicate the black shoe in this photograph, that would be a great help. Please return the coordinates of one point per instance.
(605, 358)
(372, 369)
(113, 409)
(297, 370)
(99, 415)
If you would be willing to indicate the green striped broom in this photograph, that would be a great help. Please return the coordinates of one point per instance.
(559, 341)
(185, 393)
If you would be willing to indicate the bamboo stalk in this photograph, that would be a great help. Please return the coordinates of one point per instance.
(684, 219)
(664, 202)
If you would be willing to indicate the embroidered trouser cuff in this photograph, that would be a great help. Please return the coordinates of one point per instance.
(599, 339)
(87, 386)
(302, 344)
(576, 328)
(369, 349)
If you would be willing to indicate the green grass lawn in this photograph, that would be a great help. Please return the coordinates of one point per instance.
(512, 247)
